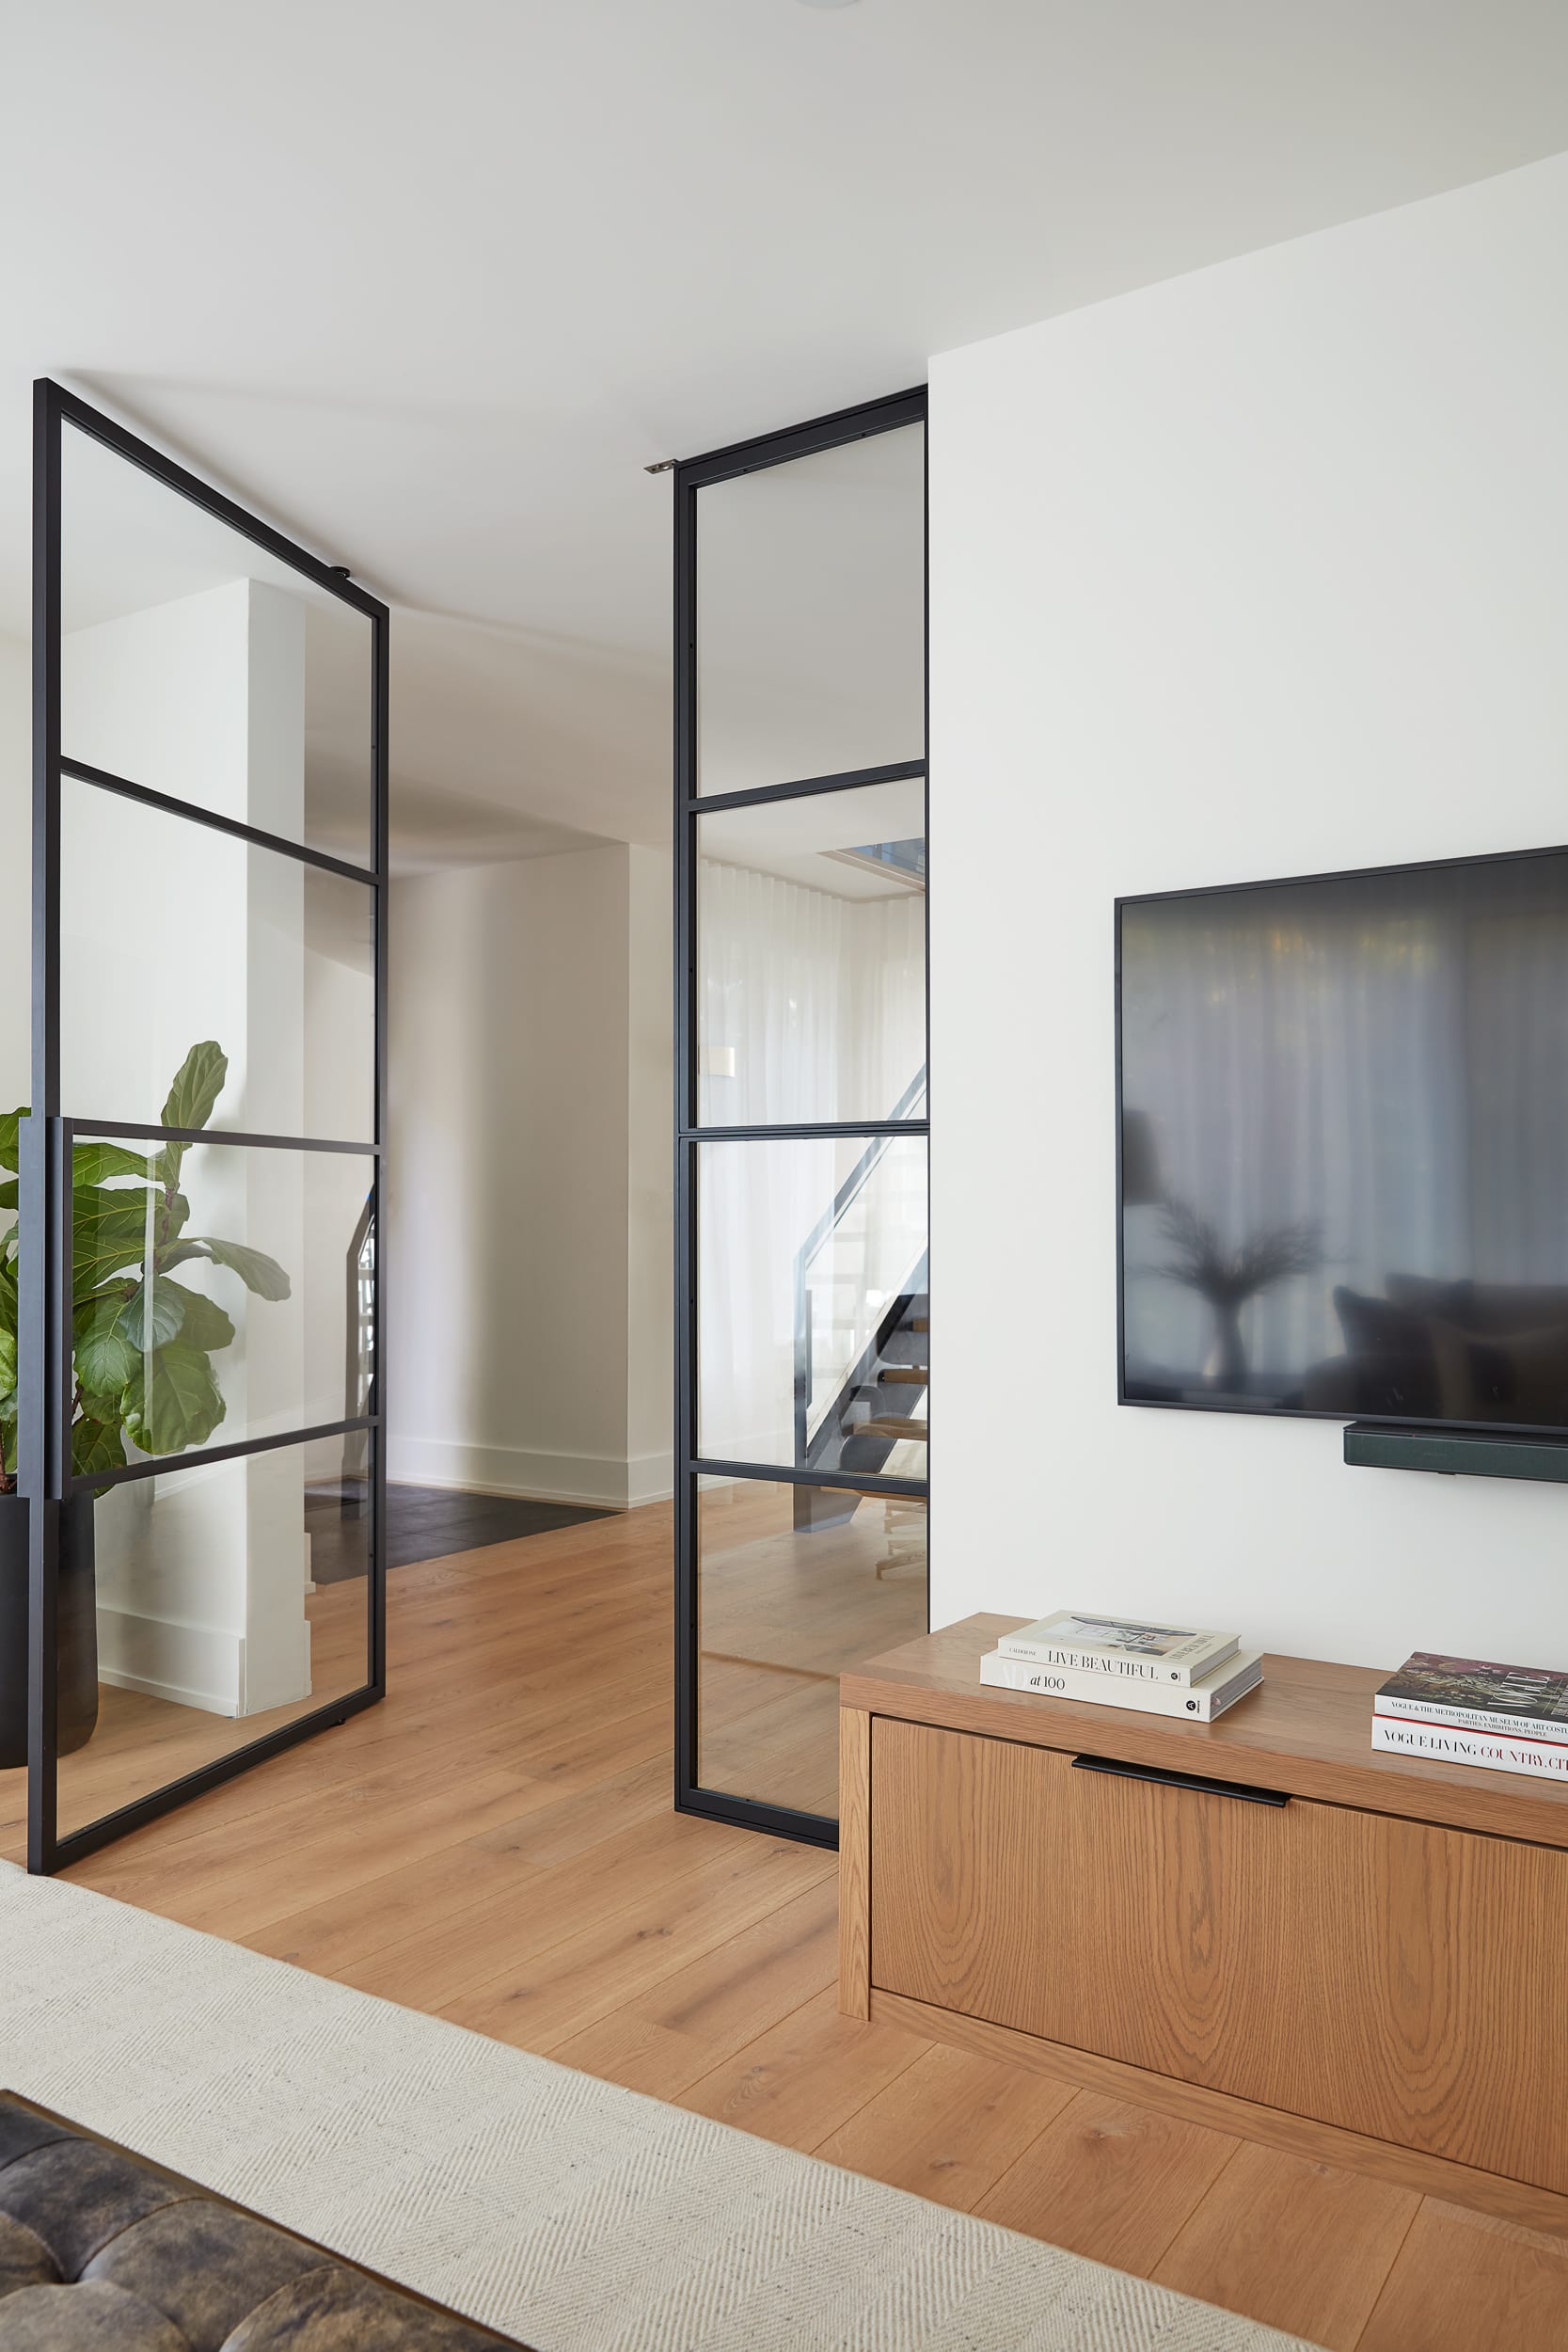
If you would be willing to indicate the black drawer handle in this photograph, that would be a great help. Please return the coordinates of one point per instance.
(1237, 1788)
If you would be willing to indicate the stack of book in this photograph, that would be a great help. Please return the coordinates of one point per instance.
(1116, 1662)
(1469, 1711)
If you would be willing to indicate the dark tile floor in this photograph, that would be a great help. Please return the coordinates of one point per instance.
(424, 1523)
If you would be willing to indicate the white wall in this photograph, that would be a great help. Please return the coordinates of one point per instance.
(171, 934)
(1261, 571)
(529, 1228)
(650, 1190)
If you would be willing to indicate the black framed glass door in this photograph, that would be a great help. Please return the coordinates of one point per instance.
(197, 1295)
(802, 1307)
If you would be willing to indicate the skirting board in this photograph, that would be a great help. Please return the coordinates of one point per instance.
(1518, 2201)
(592, 1481)
(145, 1687)
(189, 1665)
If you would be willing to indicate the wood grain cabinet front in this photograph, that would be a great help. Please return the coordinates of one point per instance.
(1377, 1973)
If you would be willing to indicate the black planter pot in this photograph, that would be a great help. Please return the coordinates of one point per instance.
(76, 1628)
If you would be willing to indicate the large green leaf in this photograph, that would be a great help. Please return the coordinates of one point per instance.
(95, 1163)
(11, 1193)
(256, 1270)
(197, 1087)
(97, 1445)
(205, 1324)
(7, 1362)
(108, 1232)
(172, 1218)
(105, 1359)
(10, 1147)
(8, 1441)
(179, 1253)
(152, 1314)
(179, 1406)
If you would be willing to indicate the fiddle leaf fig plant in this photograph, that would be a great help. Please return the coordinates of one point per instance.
(143, 1342)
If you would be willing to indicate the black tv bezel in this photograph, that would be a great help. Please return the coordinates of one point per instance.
(1552, 1431)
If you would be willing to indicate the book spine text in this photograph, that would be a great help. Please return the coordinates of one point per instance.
(1091, 1662)
(1541, 1759)
(1434, 1711)
(1016, 1673)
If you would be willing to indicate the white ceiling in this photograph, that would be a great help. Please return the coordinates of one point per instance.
(431, 282)
(798, 839)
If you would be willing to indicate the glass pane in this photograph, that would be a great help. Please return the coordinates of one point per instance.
(215, 1295)
(811, 615)
(198, 1611)
(813, 1325)
(196, 664)
(795, 1585)
(172, 934)
(811, 943)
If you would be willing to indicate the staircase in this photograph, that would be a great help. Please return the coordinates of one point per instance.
(881, 1413)
(863, 1317)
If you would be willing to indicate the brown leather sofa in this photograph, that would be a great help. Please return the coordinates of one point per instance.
(101, 2251)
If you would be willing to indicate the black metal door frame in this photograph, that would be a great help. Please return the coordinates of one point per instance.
(44, 1386)
(693, 475)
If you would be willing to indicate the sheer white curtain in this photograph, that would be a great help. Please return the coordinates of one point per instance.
(812, 1007)
(1518, 1012)
(1295, 1070)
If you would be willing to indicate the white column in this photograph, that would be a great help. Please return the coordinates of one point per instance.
(169, 934)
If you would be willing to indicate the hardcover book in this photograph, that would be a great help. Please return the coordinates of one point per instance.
(1198, 1702)
(1496, 1752)
(1476, 1695)
(1120, 1647)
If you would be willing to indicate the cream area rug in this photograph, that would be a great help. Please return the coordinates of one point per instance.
(555, 2207)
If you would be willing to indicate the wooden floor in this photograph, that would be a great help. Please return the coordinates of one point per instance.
(495, 1843)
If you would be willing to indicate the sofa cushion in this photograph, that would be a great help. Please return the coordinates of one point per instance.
(25, 2259)
(203, 2266)
(101, 2252)
(76, 2195)
(91, 2318)
(339, 2310)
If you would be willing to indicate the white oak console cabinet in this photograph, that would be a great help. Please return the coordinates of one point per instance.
(1259, 1922)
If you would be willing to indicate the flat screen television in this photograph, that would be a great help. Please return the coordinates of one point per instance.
(1342, 1107)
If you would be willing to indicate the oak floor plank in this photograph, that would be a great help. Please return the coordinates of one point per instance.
(436, 1962)
(532, 1709)
(349, 1923)
(576, 1819)
(298, 1851)
(1464, 2282)
(1113, 2182)
(949, 2126)
(804, 2078)
(667, 2037)
(1257, 2242)
(543, 1999)
(353, 1922)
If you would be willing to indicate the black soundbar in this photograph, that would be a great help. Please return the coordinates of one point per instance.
(1454, 1451)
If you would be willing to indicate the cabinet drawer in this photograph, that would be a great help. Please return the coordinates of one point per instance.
(1395, 1978)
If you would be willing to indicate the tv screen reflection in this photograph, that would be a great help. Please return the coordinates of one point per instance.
(1344, 1145)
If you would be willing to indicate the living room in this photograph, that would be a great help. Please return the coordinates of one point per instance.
(509, 1832)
